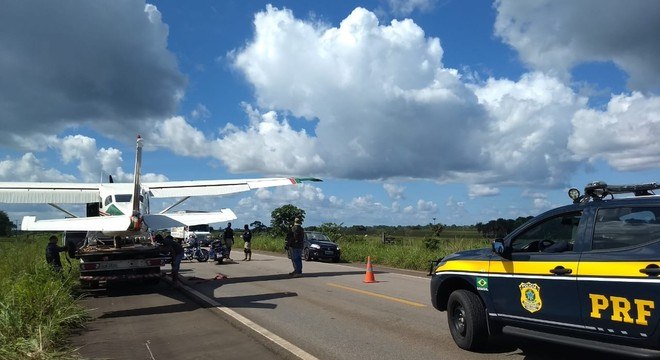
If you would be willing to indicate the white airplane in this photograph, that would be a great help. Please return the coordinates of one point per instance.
(123, 208)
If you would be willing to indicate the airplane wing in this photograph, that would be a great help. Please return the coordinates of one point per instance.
(99, 223)
(45, 193)
(216, 187)
(168, 220)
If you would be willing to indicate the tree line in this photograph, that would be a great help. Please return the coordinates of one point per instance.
(282, 219)
(500, 227)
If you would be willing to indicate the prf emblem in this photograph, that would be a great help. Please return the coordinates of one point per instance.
(530, 297)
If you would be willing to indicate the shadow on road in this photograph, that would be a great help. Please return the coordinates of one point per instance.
(208, 286)
(540, 350)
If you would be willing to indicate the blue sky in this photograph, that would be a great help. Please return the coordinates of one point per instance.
(411, 111)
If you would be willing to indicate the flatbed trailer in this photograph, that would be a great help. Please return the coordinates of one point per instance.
(104, 260)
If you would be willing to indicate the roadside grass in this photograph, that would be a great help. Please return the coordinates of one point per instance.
(406, 252)
(38, 307)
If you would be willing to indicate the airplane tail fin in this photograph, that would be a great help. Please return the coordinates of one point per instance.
(136, 179)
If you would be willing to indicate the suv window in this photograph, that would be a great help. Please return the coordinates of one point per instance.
(625, 226)
(556, 234)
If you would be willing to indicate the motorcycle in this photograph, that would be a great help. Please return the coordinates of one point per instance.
(219, 251)
(193, 251)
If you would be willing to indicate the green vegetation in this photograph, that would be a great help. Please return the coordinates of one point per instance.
(282, 218)
(411, 251)
(6, 226)
(37, 305)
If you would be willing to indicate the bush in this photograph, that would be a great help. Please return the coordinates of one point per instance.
(37, 304)
(432, 243)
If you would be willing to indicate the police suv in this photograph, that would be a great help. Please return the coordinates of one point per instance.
(585, 274)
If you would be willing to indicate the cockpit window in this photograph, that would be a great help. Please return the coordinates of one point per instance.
(123, 198)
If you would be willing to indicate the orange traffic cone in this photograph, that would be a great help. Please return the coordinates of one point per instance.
(369, 276)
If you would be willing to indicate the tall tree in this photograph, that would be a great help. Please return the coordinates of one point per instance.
(258, 226)
(5, 224)
(281, 219)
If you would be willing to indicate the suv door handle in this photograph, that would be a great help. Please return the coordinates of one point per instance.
(651, 270)
(560, 270)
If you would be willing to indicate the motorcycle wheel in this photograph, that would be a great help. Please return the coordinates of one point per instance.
(203, 255)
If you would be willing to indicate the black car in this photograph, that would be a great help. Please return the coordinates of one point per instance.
(318, 246)
(584, 274)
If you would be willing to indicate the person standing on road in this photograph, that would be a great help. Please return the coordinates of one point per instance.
(176, 251)
(247, 248)
(228, 236)
(295, 240)
(53, 253)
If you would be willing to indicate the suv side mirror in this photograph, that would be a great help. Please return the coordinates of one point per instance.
(498, 246)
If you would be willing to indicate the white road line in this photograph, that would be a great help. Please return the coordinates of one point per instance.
(148, 348)
(300, 353)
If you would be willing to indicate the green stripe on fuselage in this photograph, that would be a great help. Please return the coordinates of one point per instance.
(113, 210)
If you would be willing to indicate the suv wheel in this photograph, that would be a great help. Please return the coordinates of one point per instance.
(467, 320)
(305, 255)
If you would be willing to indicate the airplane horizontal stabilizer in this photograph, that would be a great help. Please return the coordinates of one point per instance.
(164, 221)
(99, 223)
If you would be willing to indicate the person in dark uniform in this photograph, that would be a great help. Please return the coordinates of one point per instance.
(295, 242)
(53, 253)
(228, 236)
(176, 251)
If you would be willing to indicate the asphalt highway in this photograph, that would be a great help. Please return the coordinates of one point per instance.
(247, 310)
(132, 321)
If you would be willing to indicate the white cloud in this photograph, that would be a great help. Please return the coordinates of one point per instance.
(554, 36)
(200, 112)
(478, 190)
(29, 168)
(426, 206)
(259, 204)
(94, 165)
(267, 146)
(625, 134)
(82, 149)
(542, 204)
(177, 135)
(383, 101)
(529, 133)
(394, 192)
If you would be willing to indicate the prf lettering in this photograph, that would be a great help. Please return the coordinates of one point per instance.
(620, 308)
